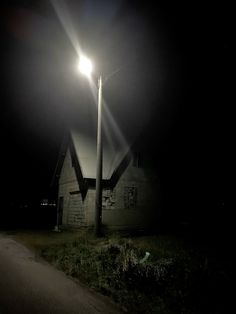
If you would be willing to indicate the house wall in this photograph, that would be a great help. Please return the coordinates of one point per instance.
(133, 203)
(74, 213)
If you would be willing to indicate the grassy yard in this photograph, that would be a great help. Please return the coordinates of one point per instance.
(176, 276)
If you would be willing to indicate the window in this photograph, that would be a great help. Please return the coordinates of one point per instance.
(130, 197)
(108, 199)
(136, 160)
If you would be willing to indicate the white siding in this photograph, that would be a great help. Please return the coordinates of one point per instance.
(145, 213)
(73, 209)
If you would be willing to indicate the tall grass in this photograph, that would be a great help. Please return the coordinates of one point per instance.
(112, 266)
(175, 278)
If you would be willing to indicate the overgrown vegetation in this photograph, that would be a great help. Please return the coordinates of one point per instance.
(175, 278)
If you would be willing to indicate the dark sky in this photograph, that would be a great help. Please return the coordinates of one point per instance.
(174, 84)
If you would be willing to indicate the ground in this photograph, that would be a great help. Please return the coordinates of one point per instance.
(185, 272)
(29, 285)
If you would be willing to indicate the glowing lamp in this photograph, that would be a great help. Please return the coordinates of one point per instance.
(85, 66)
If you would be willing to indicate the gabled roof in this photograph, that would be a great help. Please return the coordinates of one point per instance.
(83, 149)
(86, 153)
(117, 154)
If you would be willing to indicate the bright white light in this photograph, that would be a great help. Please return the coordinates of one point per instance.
(85, 66)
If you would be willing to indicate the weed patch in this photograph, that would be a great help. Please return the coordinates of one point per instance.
(172, 278)
(113, 267)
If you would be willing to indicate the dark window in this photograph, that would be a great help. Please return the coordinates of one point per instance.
(136, 160)
(108, 199)
(130, 197)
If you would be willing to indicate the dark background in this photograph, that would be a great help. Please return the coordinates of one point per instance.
(173, 91)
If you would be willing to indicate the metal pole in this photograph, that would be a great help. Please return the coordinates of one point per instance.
(56, 228)
(98, 201)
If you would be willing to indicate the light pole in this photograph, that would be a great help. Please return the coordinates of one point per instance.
(98, 199)
(85, 67)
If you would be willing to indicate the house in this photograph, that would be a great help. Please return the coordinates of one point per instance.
(131, 190)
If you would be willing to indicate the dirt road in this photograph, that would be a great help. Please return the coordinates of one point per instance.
(28, 286)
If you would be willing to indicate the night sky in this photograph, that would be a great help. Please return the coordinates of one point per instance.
(174, 87)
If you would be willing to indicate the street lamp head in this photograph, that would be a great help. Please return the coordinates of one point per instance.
(85, 66)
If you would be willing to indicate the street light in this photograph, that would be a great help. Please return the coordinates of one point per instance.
(85, 67)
